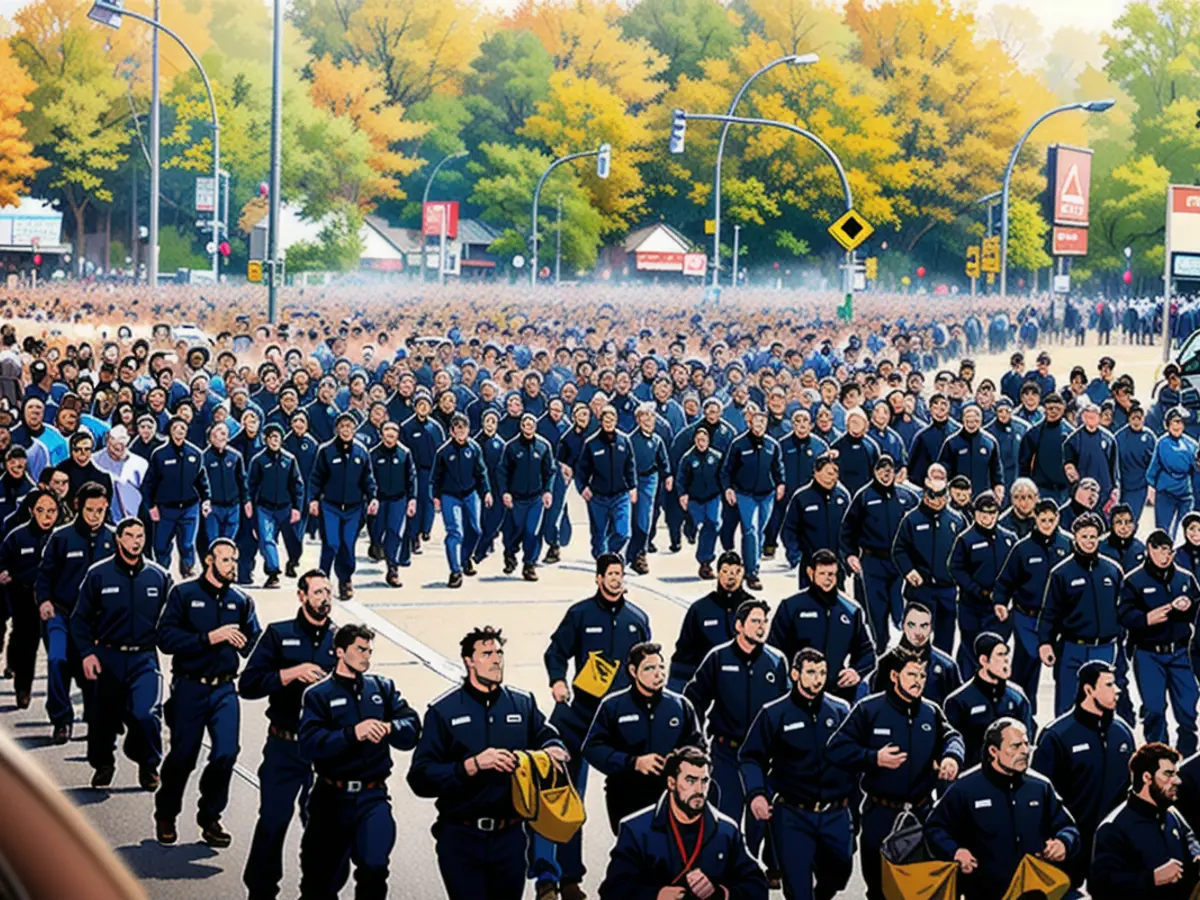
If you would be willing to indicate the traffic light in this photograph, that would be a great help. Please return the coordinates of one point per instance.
(603, 161)
(871, 268)
(678, 130)
(973, 260)
(1198, 118)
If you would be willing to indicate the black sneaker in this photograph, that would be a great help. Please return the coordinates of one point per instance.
(23, 699)
(706, 572)
(510, 564)
(424, 535)
(768, 552)
(103, 776)
(271, 582)
(186, 572)
(290, 570)
(675, 548)
(529, 573)
(469, 569)
(148, 778)
(553, 555)
(375, 553)
(456, 580)
(62, 733)
(393, 578)
(651, 548)
(345, 590)
(213, 834)
(165, 831)
(753, 583)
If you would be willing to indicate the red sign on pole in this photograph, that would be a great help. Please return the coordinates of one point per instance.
(1185, 199)
(1070, 241)
(431, 218)
(695, 264)
(1070, 171)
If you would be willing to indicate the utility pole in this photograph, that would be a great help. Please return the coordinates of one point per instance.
(737, 231)
(558, 242)
(155, 189)
(273, 262)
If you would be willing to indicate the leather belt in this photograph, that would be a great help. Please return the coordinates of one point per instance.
(488, 824)
(814, 806)
(127, 648)
(1027, 610)
(276, 732)
(1169, 647)
(177, 504)
(351, 787)
(208, 680)
(341, 507)
(1090, 642)
(728, 741)
(875, 554)
(900, 804)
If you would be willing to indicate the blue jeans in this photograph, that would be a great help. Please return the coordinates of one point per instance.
(192, 710)
(523, 523)
(339, 532)
(1070, 658)
(461, 519)
(753, 514)
(1169, 511)
(491, 521)
(707, 517)
(1137, 502)
(222, 522)
(62, 665)
(556, 524)
(271, 523)
(388, 529)
(179, 525)
(284, 776)
(643, 513)
(422, 522)
(1160, 675)
(609, 517)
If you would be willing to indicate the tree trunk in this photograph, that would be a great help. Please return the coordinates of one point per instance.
(80, 238)
(107, 238)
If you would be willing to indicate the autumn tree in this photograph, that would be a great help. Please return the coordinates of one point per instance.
(685, 32)
(18, 164)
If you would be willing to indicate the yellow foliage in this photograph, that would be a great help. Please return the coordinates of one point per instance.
(18, 164)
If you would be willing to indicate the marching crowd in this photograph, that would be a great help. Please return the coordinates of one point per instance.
(952, 537)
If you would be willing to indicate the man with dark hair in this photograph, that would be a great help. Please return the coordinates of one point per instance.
(1085, 498)
(791, 785)
(608, 477)
(206, 625)
(1085, 754)
(976, 560)
(276, 490)
(525, 482)
(1042, 450)
(902, 745)
(342, 483)
(735, 680)
(633, 732)
(709, 620)
(70, 552)
(1157, 607)
(813, 520)
(81, 468)
(643, 863)
(991, 817)
(177, 493)
(594, 638)
(1145, 848)
(465, 758)
(754, 479)
(927, 443)
(113, 628)
(289, 656)
(988, 696)
(916, 642)
(460, 484)
(822, 618)
(351, 722)
(974, 454)
(1078, 620)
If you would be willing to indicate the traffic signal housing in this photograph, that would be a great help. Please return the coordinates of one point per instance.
(678, 130)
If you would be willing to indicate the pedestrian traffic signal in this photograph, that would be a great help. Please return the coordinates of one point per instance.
(991, 255)
(871, 268)
(974, 255)
(254, 270)
(603, 161)
(678, 130)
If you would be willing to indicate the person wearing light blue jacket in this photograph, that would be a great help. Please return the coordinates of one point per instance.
(1169, 474)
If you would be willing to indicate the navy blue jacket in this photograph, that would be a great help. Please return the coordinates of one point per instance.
(320, 420)
(873, 518)
(754, 466)
(196, 608)
(1128, 553)
(12, 491)
(1023, 577)
(119, 604)
(1134, 841)
(646, 858)
(1134, 452)
(999, 819)
(924, 542)
(342, 474)
(799, 456)
(975, 455)
(708, 621)
(331, 710)
(1021, 526)
(919, 729)
(1094, 454)
(856, 460)
(527, 468)
(976, 560)
(70, 552)
(1148, 587)
(21, 551)
(423, 439)
(729, 687)
(926, 447)
(606, 465)
(305, 450)
(813, 521)
(1086, 758)
(831, 623)
(1042, 454)
(458, 470)
(784, 753)
(1008, 446)
(464, 722)
(649, 454)
(977, 704)
(395, 472)
(226, 477)
(941, 669)
(275, 481)
(700, 477)
(176, 477)
(1081, 600)
(281, 646)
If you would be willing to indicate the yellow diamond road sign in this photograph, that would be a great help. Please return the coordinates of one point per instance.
(851, 230)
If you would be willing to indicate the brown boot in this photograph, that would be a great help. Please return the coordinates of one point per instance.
(706, 571)
(529, 573)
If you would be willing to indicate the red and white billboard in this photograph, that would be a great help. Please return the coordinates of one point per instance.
(659, 261)
(1070, 172)
(431, 218)
(1068, 241)
(1183, 225)
(695, 264)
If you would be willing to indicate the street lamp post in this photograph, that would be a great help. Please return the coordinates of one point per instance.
(110, 14)
(276, 179)
(1086, 106)
(155, 157)
(602, 171)
(806, 59)
(424, 200)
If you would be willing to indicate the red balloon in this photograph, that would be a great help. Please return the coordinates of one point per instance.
(224, 248)
(920, 271)
(37, 259)
(1127, 277)
(263, 189)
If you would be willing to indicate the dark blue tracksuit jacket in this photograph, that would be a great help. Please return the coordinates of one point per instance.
(342, 475)
(754, 466)
(281, 646)
(1081, 600)
(924, 542)
(1094, 454)
(926, 447)
(196, 608)
(873, 518)
(708, 621)
(813, 521)
(527, 468)
(458, 470)
(785, 751)
(1148, 587)
(1134, 450)
(976, 560)
(119, 605)
(423, 439)
(799, 455)
(606, 465)
(226, 477)
(829, 622)
(729, 687)
(1134, 841)
(700, 476)
(176, 477)
(1042, 454)
(395, 472)
(275, 481)
(856, 460)
(975, 455)
(1023, 577)
(649, 454)
(66, 558)
(977, 704)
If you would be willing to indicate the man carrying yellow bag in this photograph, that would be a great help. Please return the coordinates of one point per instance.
(996, 814)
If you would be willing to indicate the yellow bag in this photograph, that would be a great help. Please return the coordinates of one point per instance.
(1034, 874)
(553, 809)
(920, 881)
(596, 676)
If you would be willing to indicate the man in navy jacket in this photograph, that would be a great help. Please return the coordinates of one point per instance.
(176, 491)
(343, 482)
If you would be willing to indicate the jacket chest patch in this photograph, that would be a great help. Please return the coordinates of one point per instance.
(340, 701)
(793, 727)
(461, 720)
(632, 717)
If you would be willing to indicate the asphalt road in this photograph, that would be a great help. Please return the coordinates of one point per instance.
(419, 627)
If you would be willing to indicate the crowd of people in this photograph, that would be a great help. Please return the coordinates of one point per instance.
(954, 537)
